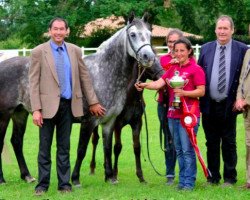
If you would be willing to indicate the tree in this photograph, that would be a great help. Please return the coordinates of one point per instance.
(31, 17)
(28, 19)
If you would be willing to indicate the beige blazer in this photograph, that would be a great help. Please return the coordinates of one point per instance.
(44, 83)
(244, 82)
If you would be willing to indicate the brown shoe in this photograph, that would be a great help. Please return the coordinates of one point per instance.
(39, 192)
(247, 185)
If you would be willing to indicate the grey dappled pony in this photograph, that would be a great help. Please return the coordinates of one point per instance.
(111, 71)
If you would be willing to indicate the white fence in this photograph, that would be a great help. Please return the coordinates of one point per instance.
(4, 54)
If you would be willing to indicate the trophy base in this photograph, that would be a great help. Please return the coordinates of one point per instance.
(176, 104)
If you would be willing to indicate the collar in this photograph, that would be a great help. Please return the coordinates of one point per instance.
(227, 45)
(190, 61)
(55, 46)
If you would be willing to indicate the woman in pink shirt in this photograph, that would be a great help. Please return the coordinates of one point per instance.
(162, 107)
(195, 88)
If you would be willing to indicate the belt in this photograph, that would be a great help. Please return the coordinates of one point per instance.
(223, 101)
(65, 100)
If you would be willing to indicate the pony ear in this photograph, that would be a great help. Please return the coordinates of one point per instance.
(131, 17)
(146, 17)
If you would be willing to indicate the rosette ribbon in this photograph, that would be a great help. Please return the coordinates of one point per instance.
(189, 121)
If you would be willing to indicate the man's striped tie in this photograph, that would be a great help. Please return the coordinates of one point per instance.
(60, 69)
(222, 70)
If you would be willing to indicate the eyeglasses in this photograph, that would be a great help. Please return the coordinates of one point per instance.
(171, 41)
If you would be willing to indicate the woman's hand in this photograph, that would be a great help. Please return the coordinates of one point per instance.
(140, 86)
(179, 92)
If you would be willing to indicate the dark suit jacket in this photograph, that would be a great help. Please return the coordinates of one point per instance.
(206, 59)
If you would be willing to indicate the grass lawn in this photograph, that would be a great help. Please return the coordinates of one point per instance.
(94, 187)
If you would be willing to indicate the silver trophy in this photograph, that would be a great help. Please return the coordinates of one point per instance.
(176, 82)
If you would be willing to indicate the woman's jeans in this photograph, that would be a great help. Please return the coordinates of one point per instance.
(185, 153)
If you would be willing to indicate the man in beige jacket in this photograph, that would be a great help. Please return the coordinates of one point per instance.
(243, 104)
(58, 79)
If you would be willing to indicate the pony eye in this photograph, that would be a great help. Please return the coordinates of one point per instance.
(133, 35)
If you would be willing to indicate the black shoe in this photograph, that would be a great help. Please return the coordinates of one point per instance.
(213, 181)
(170, 181)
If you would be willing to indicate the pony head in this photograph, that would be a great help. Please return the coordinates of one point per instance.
(139, 40)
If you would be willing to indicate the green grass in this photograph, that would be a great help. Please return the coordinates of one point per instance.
(94, 187)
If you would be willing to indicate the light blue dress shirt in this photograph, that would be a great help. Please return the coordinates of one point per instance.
(67, 93)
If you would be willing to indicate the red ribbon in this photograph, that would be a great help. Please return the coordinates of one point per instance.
(189, 121)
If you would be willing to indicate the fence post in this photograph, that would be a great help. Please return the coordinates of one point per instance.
(197, 51)
(83, 53)
(24, 52)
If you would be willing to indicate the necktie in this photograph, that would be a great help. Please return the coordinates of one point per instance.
(222, 70)
(60, 69)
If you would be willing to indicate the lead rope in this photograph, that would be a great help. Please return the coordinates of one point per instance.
(146, 126)
(146, 122)
(139, 72)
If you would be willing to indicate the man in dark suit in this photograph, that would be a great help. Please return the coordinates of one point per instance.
(58, 78)
(221, 60)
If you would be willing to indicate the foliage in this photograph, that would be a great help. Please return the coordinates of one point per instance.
(97, 37)
(195, 40)
(13, 42)
(187, 12)
(29, 19)
(242, 38)
(199, 16)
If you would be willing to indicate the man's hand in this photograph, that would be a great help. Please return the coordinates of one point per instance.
(37, 118)
(97, 110)
(240, 104)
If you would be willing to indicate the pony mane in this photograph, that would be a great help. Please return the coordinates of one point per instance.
(107, 42)
(136, 21)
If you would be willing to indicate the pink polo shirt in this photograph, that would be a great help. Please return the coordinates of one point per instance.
(195, 76)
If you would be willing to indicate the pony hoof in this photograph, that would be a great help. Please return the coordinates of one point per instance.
(2, 182)
(113, 181)
(92, 173)
(29, 179)
(76, 184)
(143, 181)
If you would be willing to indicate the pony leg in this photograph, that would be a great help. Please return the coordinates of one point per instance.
(19, 118)
(95, 139)
(4, 121)
(107, 146)
(117, 150)
(137, 150)
(85, 134)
